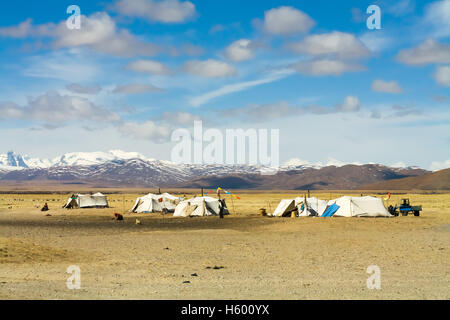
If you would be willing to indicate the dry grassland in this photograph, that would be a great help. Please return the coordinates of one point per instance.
(262, 257)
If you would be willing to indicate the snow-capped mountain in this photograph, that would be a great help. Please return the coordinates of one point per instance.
(95, 158)
(13, 161)
(118, 168)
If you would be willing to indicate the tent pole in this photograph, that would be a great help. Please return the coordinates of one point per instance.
(232, 202)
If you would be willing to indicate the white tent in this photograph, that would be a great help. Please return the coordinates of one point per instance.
(97, 200)
(360, 207)
(285, 207)
(313, 207)
(200, 207)
(152, 203)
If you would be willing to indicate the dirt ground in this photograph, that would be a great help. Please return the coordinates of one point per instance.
(244, 256)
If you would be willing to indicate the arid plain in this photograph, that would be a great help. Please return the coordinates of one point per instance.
(244, 256)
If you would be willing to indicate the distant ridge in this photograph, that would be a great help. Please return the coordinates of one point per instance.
(142, 173)
(328, 178)
(439, 180)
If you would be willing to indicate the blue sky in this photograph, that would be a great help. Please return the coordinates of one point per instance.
(137, 70)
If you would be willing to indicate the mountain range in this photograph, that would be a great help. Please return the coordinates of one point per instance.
(130, 169)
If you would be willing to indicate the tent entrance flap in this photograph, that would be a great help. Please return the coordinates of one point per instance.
(331, 210)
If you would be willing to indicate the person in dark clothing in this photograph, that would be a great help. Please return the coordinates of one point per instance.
(45, 207)
(222, 208)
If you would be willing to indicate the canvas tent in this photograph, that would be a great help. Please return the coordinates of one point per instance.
(311, 207)
(360, 207)
(200, 207)
(342, 207)
(285, 207)
(304, 207)
(152, 203)
(97, 200)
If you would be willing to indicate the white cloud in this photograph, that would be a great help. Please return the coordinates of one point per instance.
(337, 44)
(386, 86)
(165, 11)
(282, 109)
(429, 51)
(146, 131)
(210, 68)
(53, 108)
(377, 41)
(323, 67)
(27, 29)
(351, 104)
(135, 88)
(236, 87)
(69, 65)
(240, 50)
(286, 21)
(437, 15)
(437, 165)
(99, 32)
(149, 66)
(76, 88)
(22, 30)
(442, 76)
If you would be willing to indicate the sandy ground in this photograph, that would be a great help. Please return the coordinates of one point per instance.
(256, 257)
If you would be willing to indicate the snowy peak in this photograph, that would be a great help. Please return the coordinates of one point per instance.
(299, 164)
(13, 161)
(93, 158)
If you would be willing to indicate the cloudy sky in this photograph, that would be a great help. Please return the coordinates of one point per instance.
(138, 69)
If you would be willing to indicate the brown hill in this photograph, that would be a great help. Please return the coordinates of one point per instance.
(327, 178)
(439, 180)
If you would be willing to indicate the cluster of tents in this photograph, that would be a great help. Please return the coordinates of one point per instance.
(342, 207)
(207, 206)
(166, 203)
(154, 203)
